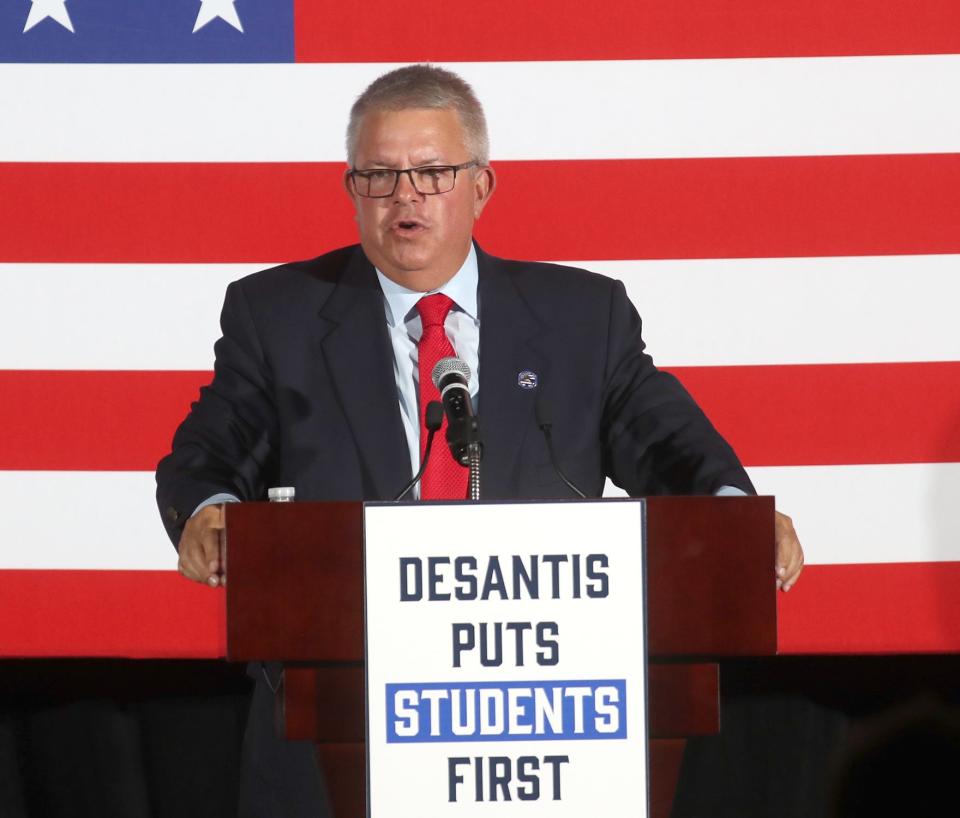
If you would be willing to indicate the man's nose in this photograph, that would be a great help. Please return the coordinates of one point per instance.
(405, 190)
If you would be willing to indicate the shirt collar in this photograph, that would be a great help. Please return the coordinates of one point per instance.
(461, 289)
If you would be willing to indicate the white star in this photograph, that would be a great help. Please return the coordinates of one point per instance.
(217, 8)
(42, 9)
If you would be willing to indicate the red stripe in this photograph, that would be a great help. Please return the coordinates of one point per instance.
(890, 608)
(138, 614)
(728, 208)
(92, 420)
(833, 414)
(908, 608)
(589, 209)
(171, 212)
(332, 31)
(772, 415)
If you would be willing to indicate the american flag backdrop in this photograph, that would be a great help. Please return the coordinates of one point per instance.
(776, 181)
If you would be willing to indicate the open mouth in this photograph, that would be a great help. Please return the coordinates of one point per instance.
(407, 227)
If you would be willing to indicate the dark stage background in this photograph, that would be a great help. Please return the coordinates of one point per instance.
(161, 739)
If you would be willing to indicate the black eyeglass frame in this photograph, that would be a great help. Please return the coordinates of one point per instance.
(353, 173)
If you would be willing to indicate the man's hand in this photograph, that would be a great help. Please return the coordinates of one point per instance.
(201, 547)
(789, 562)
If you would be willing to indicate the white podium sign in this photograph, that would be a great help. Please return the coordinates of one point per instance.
(506, 660)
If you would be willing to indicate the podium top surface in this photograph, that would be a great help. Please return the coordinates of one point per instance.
(295, 577)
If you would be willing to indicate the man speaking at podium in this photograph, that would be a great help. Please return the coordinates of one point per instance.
(321, 378)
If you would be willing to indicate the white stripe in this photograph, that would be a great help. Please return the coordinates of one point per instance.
(696, 312)
(536, 110)
(112, 316)
(795, 310)
(843, 514)
(82, 520)
(869, 514)
(903, 512)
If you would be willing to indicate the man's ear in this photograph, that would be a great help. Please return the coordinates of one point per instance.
(484, 183)
(351, 191)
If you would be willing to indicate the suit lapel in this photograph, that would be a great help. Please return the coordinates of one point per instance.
(510, 336)
(358, 355)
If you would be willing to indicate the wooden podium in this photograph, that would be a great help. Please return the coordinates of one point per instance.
(295, 595)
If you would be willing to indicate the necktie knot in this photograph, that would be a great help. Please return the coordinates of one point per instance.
(433, 309)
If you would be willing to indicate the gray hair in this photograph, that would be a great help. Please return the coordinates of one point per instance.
(423, 86)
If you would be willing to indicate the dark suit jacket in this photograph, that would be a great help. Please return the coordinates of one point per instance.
(304, 393)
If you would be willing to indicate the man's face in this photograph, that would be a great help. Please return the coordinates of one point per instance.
(417, 240)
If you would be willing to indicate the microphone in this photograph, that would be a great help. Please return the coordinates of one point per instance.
(546, 427)
(452, 377)
(433, 420)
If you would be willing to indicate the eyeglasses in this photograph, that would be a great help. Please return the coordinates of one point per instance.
(427, 181)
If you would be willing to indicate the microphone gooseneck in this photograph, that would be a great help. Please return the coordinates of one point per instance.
(547, 428)
(433, 420)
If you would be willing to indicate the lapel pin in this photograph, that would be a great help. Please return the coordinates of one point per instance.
(527, 379)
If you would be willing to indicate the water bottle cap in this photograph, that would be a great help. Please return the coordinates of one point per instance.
(281, 493)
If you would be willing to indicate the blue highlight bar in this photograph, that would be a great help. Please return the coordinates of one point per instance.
(507, 711)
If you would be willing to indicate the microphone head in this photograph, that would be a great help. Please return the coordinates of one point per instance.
(450, 366)
(434, 416)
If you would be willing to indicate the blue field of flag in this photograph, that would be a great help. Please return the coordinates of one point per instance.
(146, 31)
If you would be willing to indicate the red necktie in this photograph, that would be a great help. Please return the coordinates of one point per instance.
(444, 479)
